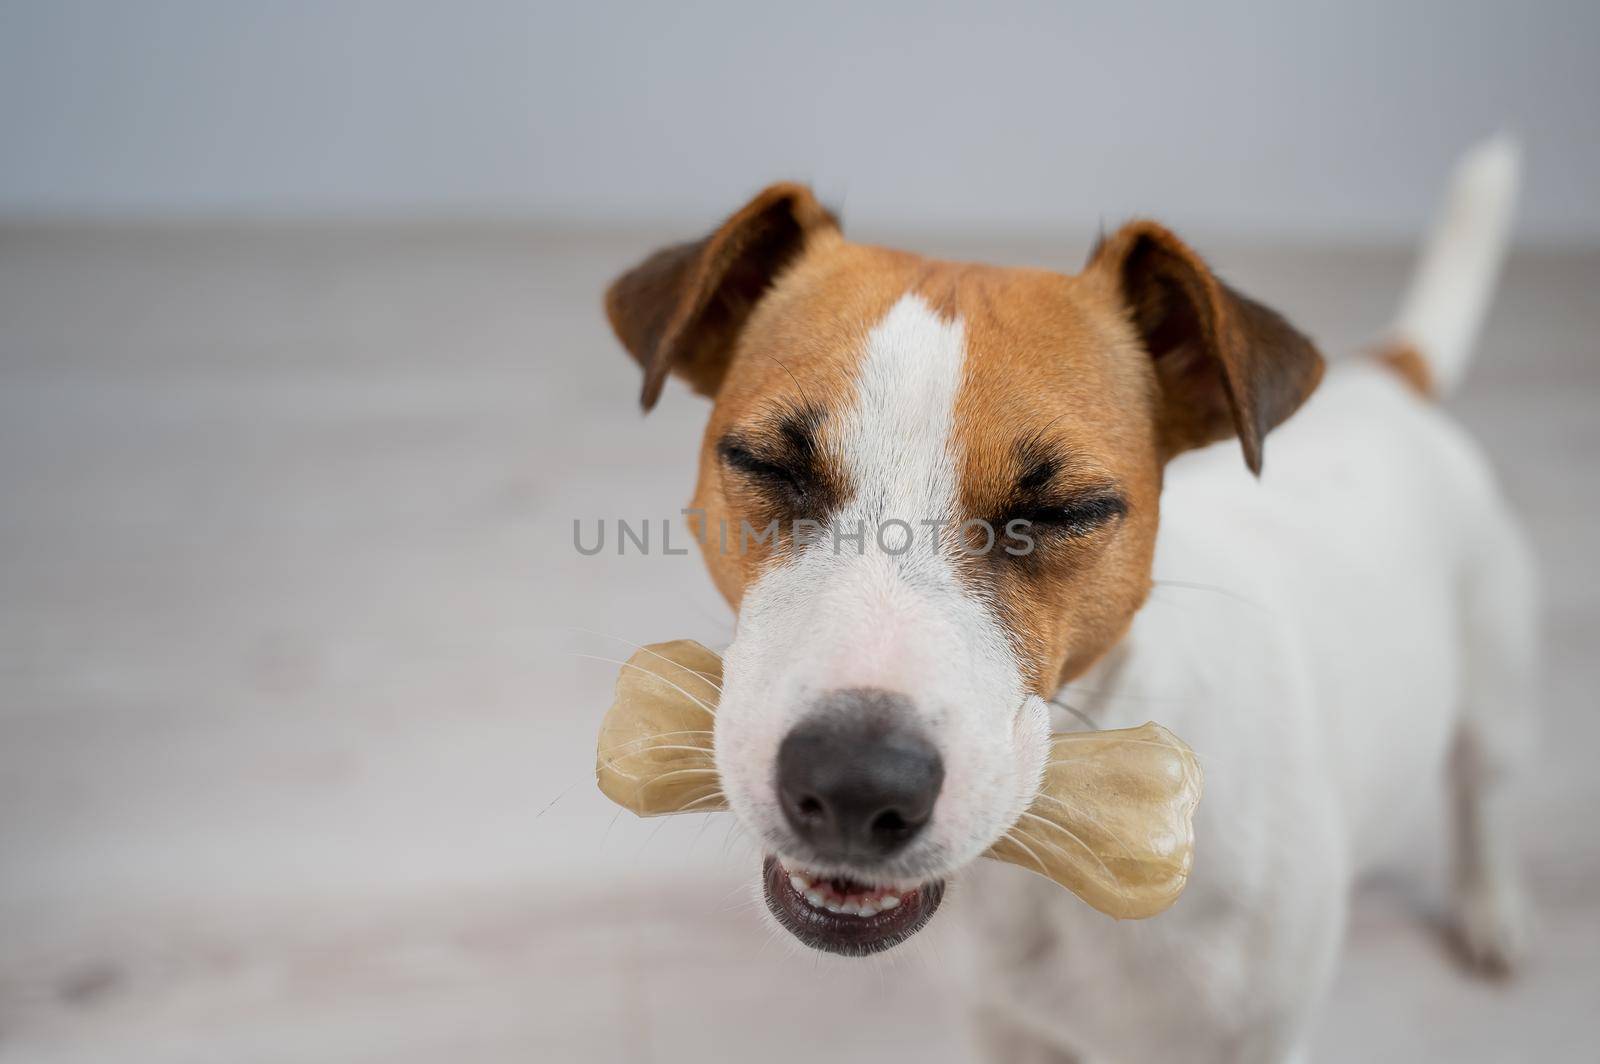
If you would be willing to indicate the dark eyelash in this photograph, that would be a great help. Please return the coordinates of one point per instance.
(737, 457)
(1078, 517)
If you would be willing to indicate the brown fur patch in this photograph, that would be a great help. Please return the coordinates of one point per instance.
(1053, 373)
(1406, 362)
(682, 309)
(1228, 366)
(1100, 377)
(799, 350)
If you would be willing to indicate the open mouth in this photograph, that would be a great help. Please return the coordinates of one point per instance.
(843, 916)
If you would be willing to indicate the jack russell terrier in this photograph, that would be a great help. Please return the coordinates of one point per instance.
(1362, 614)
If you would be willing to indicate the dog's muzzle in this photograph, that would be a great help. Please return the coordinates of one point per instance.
(857, 781)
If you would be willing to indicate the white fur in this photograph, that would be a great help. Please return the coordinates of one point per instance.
(1333, 638)
(1374, 632)
(890, 616)
(1376, 614)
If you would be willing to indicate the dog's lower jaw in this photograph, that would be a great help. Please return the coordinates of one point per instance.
(841, 916)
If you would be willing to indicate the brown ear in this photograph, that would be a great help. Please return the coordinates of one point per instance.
(682, 308)
(1227, 365)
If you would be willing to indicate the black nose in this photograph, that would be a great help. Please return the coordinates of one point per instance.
(855, 779)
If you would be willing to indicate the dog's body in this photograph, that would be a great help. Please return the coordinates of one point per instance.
(1359, 612)
(1327, 638)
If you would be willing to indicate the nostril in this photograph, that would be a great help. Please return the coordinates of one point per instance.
(856, 780)
(890, 825)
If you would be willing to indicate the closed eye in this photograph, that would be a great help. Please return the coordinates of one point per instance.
(1074, 517)
(741, 459)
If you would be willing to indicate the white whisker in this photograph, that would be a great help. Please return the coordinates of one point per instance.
(680, 772)
(689, 807)
(611, 756)
(1012, 836)
(1191, 585)
(1086, 847)
(652, 653)
(1137, 742)
(630, 665)
(1086, 816)
(645, 740)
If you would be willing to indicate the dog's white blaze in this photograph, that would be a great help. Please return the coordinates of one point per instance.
(888, 610)
(897, 439)
(897, 444)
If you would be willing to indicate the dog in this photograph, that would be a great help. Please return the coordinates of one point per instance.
(954, 488)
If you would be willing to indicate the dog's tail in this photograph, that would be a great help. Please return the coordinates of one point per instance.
(1431, 341)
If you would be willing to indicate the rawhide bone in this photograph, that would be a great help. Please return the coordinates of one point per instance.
(1112, 820)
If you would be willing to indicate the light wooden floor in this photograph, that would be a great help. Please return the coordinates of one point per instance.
(295, 737)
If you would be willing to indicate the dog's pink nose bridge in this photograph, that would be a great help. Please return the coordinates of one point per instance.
(877, 648)
(875, 628)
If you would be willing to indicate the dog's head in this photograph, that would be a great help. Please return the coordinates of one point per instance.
(931, 491)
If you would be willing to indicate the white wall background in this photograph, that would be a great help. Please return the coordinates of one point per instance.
(1332, 118)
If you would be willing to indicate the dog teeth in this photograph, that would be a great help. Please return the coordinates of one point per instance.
(819, 894)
